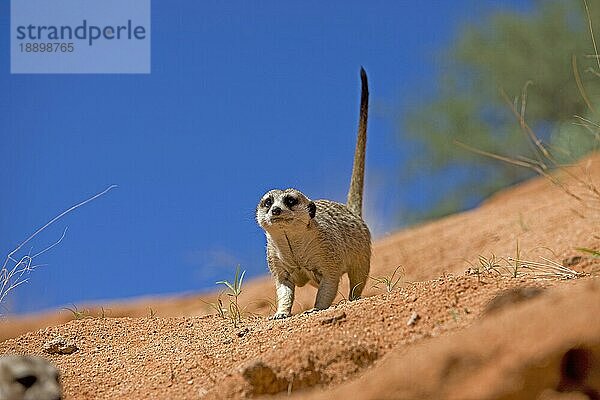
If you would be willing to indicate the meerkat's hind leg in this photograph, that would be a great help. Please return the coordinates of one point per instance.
(357, 276)
(328, 288)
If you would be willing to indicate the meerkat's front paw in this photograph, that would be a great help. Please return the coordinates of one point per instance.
(280, 315)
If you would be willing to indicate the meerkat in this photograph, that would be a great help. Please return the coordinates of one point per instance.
(28, 378)
(317, 241)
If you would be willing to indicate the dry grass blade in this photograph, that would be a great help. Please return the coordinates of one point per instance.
(592, 70)
(540, 169)
(53, 220)
(519, 163)
(523, 123)
(540, 149)
(541, 152)
(217, 306)
(591, 28)
(13, 276)
(592, 252)
(390, 283)
(592, 127)
(547, 269)
(580, 86)
(516, 267)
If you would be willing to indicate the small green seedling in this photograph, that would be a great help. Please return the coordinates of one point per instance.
(389, 283)
(591, 252)
(78, 314)
(234, 291)
(517, 262)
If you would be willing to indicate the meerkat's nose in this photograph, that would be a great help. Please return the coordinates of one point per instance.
(276, 210)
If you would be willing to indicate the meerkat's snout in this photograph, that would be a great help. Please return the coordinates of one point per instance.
(276, 211)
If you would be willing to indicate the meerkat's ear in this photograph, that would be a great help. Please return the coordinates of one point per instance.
(312, 209)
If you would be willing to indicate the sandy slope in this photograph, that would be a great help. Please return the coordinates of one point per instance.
(367, 349)
(534, 350)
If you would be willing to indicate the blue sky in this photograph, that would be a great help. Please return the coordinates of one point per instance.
(243, 97)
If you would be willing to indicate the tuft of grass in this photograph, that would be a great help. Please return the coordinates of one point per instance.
(15, 270)
(351, 295)
(389, 283)
(544, 269)
(13, 276)
(517, 267)
(79, 314)
(217, 306)
(486, 266)
(233, 291)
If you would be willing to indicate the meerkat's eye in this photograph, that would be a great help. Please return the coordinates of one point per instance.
(290, 201)
(268, 202)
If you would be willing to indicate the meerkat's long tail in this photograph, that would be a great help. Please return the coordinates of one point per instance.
(355, 193)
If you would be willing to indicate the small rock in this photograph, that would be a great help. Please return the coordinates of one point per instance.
(60, 345)
(336, 319)
(571, 261)
(414, 317)
(243, 332)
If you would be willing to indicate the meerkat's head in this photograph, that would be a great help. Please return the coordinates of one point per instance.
(284, 209)
(28, 378)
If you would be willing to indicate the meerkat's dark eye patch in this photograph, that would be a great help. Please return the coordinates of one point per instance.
(290, 201)
(27, 381)
(312, 209)
(267, 203)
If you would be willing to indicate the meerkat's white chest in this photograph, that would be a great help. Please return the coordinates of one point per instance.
(298, 255)
(291, 250)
